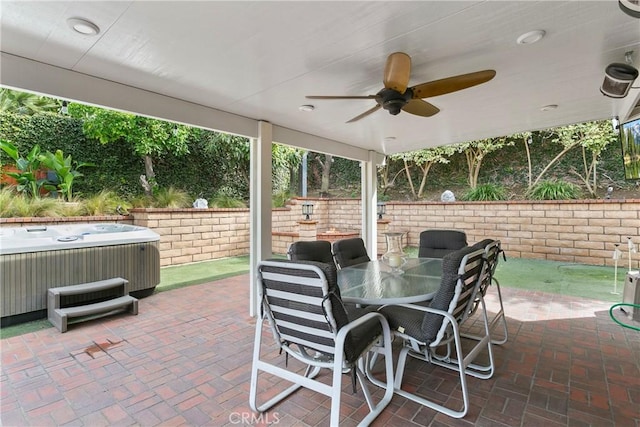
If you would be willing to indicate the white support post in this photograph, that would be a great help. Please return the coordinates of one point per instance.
(369, 202)
(260, 208)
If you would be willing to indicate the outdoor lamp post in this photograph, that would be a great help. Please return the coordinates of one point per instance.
(307, 210)
(382, 209)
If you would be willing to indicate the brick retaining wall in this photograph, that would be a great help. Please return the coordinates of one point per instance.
(571, 231)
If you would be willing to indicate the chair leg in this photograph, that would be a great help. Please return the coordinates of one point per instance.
(499, 316)
(334, 390)
(465, 367)
(461, 368)
(387, 351)
(258, 365)
(479, 371)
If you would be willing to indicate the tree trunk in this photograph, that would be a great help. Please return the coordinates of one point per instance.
(423, 183)
(326, 170)
(409, 180)
(530, 174)
(149, 174)
(552, 162)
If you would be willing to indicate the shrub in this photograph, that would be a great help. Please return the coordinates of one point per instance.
(222, 200)
(485, 192)
(554, 190)
(106, 203)
(20, 205)
(280, 199)
(171, 197)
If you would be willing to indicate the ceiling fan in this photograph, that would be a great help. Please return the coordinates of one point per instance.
(397, 96)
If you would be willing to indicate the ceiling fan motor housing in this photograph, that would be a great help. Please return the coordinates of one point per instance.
(392, 100)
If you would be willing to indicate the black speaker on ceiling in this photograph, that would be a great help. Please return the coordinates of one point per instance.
(618, 79)
(630, 7)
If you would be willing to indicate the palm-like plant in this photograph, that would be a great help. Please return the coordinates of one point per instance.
(25, 176)
(66, 171)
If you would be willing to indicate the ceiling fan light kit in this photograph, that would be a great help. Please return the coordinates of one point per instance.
(618, 78)
(396, 96)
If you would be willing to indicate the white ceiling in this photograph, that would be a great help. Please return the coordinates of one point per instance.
(259, 60)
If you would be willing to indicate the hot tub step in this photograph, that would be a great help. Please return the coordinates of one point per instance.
(59, 315)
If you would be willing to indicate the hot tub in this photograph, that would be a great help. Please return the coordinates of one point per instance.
(34, 259)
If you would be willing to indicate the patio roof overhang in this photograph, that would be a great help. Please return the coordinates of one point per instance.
(43, 78)
(197, 65)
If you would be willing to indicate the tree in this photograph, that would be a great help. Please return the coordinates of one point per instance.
(527, 138)
(424, 160)
(387, 176)
(14, 101)
(475, 151)
(326, 172)
(285, 162)
(591, 136)
(149, 137)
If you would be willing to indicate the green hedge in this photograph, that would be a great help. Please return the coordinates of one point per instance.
(118, 168)
(220, 165)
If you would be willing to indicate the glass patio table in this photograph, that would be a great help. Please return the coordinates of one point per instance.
(375, 283)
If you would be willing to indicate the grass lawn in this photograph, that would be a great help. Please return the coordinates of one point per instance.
(546, 276)
(578, 280)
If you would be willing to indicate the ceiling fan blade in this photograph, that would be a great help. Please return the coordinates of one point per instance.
(397, 72)
(341, 97)
(366, 113)
(452, 84)
(420, 108)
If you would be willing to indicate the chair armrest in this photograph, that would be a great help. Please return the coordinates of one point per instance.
(342, 333)
(425, 309)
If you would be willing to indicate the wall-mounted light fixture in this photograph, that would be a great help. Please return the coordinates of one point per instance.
(382, 209)
(307, 210)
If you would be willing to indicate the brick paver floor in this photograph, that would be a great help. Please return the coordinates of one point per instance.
(185, 359)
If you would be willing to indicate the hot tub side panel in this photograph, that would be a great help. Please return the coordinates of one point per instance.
(27, 276)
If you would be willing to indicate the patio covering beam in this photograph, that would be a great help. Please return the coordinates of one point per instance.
(25, 74)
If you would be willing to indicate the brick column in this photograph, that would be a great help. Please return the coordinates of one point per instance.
(308, 229)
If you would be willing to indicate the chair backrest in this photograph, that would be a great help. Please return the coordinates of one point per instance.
(318, 250)
(350, 252)
(301, 301)
(491, 250)
(461, 272)
(438, 243)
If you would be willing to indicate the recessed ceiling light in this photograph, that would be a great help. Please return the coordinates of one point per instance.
(531, 37)
(83, 26)
(306, 107)
(389, 139)
(549, 107)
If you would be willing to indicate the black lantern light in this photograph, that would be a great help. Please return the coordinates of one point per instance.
(307, 210)
(382, 209)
